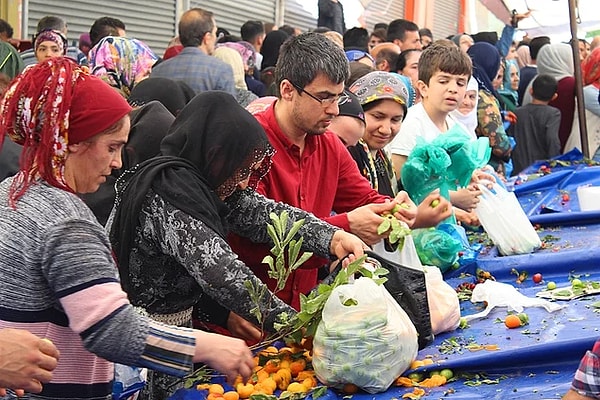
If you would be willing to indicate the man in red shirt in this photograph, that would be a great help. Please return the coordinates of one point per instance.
(311, 168)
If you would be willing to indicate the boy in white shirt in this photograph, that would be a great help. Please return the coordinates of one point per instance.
(444, 71)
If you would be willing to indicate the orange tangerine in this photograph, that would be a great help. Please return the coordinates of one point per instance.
(245, 390)
(271, 366)
(297, 366)
(216, 389)
(512, 321)
(231, 395)
(297, 387)
(310, 383)
(214, 396)
(350, 388)
(261, 375)
(269, 383)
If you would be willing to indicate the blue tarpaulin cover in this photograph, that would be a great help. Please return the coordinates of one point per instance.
(536, 361)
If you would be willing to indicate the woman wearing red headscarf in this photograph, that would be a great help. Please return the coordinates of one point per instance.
(58, 274)
(590, 70)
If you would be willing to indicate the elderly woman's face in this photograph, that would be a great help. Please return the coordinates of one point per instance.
(89, 163)
(47, 49)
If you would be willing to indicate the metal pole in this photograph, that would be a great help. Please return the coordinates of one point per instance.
(585, 149)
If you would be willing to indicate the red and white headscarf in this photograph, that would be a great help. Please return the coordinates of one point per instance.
(49, 106)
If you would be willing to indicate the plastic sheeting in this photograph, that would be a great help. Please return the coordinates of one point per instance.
(536, 361)
(543, 198)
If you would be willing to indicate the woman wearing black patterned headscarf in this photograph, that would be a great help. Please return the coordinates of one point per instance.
(173, 213)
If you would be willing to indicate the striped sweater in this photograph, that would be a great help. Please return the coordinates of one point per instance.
(58, 280)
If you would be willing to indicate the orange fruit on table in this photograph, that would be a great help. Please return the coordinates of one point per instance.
(296, 387)
(231, 395)
(214, 396)
(512, 321)
(244, 390)
(271, 366)
(350, 388)
(297, 366)
(216, 389)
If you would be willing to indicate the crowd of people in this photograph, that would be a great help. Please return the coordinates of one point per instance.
(136, 187)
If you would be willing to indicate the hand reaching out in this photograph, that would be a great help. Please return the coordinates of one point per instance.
(26, 361)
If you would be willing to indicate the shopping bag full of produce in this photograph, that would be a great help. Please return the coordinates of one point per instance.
(364, 338)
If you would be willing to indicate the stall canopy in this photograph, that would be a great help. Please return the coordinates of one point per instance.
(549, 17)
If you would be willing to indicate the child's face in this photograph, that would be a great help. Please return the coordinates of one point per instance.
(469, 102)
(383, 123)
(445, 91)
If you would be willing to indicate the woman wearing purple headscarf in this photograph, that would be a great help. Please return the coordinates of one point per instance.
(486, 62)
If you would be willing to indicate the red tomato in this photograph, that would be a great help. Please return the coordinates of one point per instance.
(537, 278)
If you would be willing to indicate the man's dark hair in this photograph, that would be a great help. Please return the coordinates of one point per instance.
(426, 32)
(444, 56)
(398, 28)
(543, 87)
(51, 22)
(5, 27)
(381, 25)
(194, 24)
(290, 30)
(303, 57)
(105, 26)
(252, 30)
(379, 33)
(228, 39)
(536, 44)
(356, 39)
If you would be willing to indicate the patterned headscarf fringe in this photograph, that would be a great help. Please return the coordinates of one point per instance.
(37, 117)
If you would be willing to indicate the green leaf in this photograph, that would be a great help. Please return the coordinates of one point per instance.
(294, 230)
(263, 397)
(273, 235)
(303, 258)
(350, 302)
(319, 391)
(268, 260)
(384, 226)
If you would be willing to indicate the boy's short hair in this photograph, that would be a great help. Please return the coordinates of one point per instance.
(444, 56)
(536, 44)
(544, 87)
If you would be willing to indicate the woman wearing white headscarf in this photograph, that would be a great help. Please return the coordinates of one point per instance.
(556, 60)
(466, 113)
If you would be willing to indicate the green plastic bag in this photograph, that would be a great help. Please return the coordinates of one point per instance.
(436, 247)
(446, 163)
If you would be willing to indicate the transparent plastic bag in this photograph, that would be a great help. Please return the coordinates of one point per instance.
(505, 222)
(364, 338)
(444, 306)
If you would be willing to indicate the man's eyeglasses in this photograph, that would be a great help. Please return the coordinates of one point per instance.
(327, 101)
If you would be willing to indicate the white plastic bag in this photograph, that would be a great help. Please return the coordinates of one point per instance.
(497, 294)
(364, 338)
(444, 306)
(505, 222)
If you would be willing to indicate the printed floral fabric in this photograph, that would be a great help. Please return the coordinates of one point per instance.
(489, 124)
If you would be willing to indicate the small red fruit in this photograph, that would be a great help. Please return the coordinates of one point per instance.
(537, 278)
(565, 197)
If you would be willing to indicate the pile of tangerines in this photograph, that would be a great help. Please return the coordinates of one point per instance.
(287, 369)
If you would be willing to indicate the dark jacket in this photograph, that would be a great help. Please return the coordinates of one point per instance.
(331, 15)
